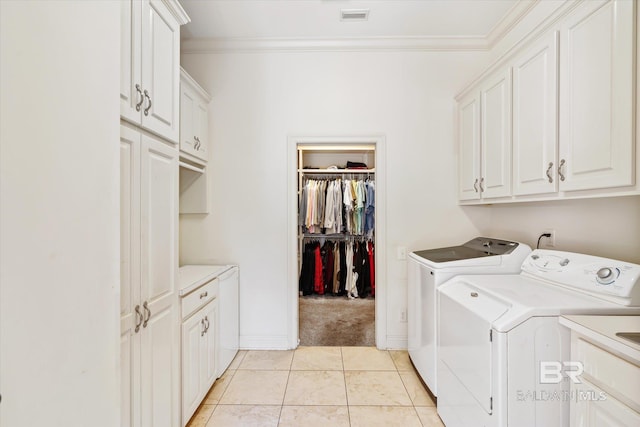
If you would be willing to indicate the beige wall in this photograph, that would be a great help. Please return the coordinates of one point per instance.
(259, 99)
(608, 227)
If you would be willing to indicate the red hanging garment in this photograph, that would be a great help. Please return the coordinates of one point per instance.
(318, 285)
(372, 268)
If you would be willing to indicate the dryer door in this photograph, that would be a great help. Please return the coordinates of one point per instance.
(466, 315)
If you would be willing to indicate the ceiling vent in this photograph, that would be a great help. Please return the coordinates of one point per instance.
(354, 14)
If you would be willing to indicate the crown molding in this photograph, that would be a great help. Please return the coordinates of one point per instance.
(425, 44)
(345, 44)
(177, 11)
(509, 21)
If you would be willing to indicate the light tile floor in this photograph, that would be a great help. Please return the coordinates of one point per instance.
(318, 386)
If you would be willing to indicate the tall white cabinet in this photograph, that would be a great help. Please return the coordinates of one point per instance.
(149, 313)
(150, 65)
(149, 305)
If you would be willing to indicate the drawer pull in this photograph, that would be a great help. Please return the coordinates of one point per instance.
(204, 294)
(474, 294)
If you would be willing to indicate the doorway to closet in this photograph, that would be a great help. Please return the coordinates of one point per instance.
(337, 290)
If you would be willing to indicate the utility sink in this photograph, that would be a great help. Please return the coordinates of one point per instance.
(631, 336)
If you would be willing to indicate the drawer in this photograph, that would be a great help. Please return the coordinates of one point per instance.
(199, 297)
(613, 374)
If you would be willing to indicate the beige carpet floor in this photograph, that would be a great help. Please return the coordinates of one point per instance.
(336, 321)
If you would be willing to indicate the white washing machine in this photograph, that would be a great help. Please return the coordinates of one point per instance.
(428, 269)
(499, 334)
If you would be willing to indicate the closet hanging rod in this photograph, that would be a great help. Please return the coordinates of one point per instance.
(345, 237)
(337, 171)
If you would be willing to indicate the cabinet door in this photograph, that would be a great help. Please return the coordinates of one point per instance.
(192, 336)
(129, 275)
(188, 107)
(161, 70)
(495, 168)
(594, 408)
(596, 96)
(159, 261)
(208, 360)
(130, 65)
(201, 124)
(469, 147)
(535, 118)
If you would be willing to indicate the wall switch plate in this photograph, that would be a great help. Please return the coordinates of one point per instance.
(401, 253)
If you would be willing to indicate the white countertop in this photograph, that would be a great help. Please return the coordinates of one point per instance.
(603, 329)
(191, 277)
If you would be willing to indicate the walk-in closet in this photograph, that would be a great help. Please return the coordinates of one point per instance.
(336, 244)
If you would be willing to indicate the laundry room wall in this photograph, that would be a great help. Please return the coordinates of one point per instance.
(608, 227)
(261, 98)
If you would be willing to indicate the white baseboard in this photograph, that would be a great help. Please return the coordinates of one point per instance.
(259, 342)
(396, 342)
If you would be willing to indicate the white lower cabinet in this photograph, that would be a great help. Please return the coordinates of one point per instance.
(593, 407)
(149, 312)
(198, 358)
(199, 326)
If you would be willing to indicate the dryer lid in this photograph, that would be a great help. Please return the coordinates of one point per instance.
(479, 247)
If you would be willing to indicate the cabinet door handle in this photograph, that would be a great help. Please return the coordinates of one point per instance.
(475, 185)
(147, 314)
(146, 110)
(206, 319)
(562, 162)
(139, 104)
(204, 294)
(138, 318)
(204, 328)
(549, 172)
(481, 182)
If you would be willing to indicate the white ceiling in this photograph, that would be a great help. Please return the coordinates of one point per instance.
(320, 19)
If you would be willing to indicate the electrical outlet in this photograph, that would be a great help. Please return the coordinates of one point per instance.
(549, 242)
(401, 253)
(403, 316)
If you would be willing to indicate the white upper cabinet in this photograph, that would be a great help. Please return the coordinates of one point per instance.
(495, 130)
(556, 115)
(596, 96)
(194, 118)
(150, 65)
(484, 132)
(469, 147)
(535, 118)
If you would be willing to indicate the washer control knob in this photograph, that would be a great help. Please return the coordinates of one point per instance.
(606, 275)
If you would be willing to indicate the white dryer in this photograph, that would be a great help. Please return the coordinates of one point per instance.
(428, 269)
(499, 334)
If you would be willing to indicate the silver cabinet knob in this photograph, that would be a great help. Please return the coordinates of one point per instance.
(138, 318)
(139, 104)
(549, 172)
(147, 314)
(562, 162)
(146, 110)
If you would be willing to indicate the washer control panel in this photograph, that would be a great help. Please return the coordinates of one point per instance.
(587, 273)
